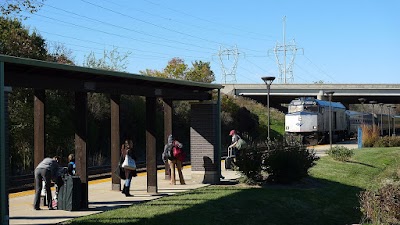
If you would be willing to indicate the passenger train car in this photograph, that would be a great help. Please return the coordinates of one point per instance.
(308, 118)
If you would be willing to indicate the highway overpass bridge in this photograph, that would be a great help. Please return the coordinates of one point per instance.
(344, 93)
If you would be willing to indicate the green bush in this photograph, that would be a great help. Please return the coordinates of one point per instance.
(340, 153)
(288, 162)
(388, 142)
(382, 206)
(248, 162)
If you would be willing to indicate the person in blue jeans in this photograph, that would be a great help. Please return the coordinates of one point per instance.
(47, 170)
(127, 148)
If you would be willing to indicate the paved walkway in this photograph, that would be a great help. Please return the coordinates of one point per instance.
(320, 150)
(101, 198)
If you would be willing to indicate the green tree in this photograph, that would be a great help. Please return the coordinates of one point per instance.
(15, 40)
(60, 54)
(177, 69)
(153, 73)
(16, 7)
(201, 72)
(111, 60)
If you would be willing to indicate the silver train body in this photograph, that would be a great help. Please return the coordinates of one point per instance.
(308, 118)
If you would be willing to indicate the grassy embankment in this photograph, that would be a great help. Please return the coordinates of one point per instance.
(329, 196)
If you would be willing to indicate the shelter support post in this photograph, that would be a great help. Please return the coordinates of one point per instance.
(80, 144)
(39, 126)
(4, 152)
(115, 140)
(167, 131)
(151, 164)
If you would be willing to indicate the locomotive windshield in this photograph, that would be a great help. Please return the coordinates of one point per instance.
(303, 108)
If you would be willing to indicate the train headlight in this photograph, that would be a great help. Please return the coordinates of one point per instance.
(287, 127)
(314, 127)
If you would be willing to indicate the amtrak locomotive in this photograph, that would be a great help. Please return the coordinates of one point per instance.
(308, 118)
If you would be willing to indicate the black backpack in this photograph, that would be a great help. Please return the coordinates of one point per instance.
(169, 152)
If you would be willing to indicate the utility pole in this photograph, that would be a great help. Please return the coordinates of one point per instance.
(229, 60)
(285, 68)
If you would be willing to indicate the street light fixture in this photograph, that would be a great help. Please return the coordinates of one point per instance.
(373, 112)
(381, 105)
(394, 120)
(362, 100)
(268, 81)
(330, 94)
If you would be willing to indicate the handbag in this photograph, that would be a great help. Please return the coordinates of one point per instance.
(129, 163)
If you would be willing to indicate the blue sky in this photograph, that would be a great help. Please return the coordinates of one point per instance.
(338, 41)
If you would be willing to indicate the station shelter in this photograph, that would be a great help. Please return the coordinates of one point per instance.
(205, 130)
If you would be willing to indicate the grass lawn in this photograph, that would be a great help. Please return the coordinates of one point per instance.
(328, 196)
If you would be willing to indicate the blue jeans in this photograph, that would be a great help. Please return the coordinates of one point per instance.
(128, 179)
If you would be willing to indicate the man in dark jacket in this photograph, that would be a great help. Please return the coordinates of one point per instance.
(47, 170)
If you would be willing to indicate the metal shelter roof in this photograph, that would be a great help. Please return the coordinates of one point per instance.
(30, 73)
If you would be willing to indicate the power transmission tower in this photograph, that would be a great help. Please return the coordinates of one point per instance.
(229, 60)
(285, 65)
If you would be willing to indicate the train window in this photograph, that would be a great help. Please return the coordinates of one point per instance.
(311, 108)
(295, 108)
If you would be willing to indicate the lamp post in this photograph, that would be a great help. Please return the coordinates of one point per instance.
(268, 81)
(329, 94)
(362, 100)
(389, 106)
(394, 120)
(373, 112)
(381, 124)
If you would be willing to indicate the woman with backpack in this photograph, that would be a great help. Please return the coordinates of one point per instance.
(174, 154)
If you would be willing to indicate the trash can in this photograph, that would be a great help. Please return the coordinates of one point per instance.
(70, 194)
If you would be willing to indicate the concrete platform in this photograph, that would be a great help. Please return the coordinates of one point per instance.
(101, 198)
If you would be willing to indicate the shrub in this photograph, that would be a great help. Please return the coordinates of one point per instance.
(288, 162)
(370, 135)
(340, 153)
(387, 142)
(382, 206)
(249, 164)
(383, 142)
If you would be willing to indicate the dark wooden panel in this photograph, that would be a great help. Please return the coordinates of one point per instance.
(151, 163)
(80, 144)
(115, 139)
